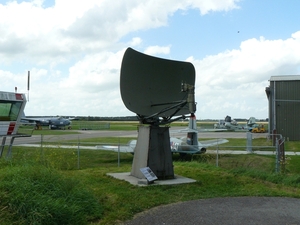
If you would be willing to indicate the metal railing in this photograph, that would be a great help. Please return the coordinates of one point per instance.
(8, 134)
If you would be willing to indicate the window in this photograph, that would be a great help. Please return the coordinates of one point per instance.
(9, 110)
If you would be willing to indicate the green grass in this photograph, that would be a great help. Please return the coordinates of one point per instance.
(293, 146)
(41, 182)
(39, 185)
(36, 194)
(93, 141)
(113, 140)
(104, 125)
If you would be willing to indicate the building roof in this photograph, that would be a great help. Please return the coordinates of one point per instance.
(285, 78)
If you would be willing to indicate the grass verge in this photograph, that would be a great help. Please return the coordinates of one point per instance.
(46, 186)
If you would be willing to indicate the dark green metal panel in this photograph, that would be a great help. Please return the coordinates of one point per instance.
(149, 84)
(284, 111)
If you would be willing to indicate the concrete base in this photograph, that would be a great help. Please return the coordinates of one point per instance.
(153, 150)
(143, 182)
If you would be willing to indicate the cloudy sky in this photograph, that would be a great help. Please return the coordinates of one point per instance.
(73, 50)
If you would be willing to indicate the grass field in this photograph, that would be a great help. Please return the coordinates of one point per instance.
(60, 186)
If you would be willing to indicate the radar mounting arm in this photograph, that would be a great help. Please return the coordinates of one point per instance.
(178, 105)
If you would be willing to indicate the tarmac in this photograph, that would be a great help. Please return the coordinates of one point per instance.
(224, 211)
(214, 211)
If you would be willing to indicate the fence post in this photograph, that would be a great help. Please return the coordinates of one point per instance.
(217, 159)
(119, 152)
(249, 142)
(277, 165)
(42, 149)
(282, 154)
(78, 154)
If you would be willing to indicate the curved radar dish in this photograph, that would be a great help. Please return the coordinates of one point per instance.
(154, 87)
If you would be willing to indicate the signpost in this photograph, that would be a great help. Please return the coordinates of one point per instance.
(149, 175)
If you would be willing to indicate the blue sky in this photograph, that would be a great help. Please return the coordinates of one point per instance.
(219, 31)
(74, 51)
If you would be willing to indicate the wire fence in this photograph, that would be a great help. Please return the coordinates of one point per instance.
(220, 155)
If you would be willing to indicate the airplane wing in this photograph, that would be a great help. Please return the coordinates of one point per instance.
(176, 146)
(26, 122)
(213, 142)
(129, 148)
(115, 148)
(36, 120)
(213, 130)
(188, 130)
(188, 149)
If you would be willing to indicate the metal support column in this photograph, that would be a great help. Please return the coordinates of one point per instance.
(2, 145)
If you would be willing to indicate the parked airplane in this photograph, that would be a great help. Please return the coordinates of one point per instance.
(185, 145)
(232, 125)
(52, 122)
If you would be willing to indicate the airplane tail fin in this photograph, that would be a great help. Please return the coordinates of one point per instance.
(251, 121)
(228, 119)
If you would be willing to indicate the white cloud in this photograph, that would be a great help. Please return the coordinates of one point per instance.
(74, 51)
(225, 80)
(214, 5)
(72, 27)
(135, 41)
(155, 50)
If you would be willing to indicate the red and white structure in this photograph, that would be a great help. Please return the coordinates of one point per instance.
(11, 110)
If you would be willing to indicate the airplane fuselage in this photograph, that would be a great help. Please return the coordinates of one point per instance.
(59, 123)
(181, 146)
(53, 122)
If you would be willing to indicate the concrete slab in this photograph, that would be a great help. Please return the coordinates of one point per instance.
(143, 182)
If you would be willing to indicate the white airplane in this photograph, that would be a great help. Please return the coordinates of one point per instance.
(185, 145)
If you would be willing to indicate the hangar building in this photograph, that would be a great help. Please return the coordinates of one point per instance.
(284, 106)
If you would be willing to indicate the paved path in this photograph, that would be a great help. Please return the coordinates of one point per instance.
(133, 134)
(80, 135)
(225, 211)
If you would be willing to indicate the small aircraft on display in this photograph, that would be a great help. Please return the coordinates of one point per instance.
(53, 122)
(184, 145)
(231, 125)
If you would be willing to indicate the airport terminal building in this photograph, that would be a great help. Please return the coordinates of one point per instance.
(284, 106)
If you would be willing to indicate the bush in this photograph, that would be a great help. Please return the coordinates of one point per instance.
(39, 195)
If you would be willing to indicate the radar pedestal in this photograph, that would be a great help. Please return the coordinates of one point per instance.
(156, 90)
(153, 151)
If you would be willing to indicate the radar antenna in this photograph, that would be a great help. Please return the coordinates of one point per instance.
(153, 88)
